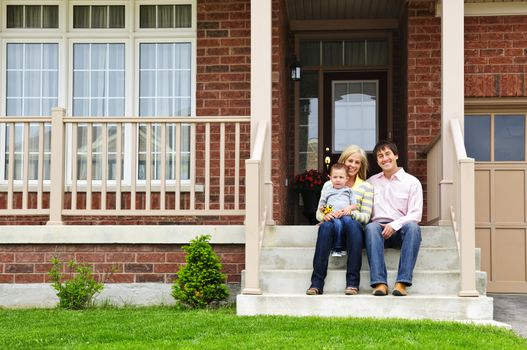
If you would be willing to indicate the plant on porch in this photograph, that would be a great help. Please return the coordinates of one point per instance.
(309, 184)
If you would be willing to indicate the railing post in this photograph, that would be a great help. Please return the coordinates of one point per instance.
(252, 227)
(467, 232)
(56, 195)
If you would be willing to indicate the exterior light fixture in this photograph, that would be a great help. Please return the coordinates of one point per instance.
(296, 70)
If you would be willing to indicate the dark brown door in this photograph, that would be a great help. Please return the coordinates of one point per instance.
(355, 112)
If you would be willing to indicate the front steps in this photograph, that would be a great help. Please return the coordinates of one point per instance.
(286, 266)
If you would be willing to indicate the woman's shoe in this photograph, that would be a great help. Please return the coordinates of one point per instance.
(313, 291)
(351, 291)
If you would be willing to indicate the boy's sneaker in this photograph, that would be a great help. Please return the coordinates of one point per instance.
(343, 252)
(336, 253)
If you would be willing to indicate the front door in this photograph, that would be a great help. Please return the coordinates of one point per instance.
(355, 112)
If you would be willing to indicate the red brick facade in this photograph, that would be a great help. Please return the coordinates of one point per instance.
(496, 56)
(130, 263)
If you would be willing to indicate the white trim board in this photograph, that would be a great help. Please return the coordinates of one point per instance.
(124, 234)
(491, 9)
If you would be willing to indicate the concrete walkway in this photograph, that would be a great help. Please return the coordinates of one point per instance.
(511, 309)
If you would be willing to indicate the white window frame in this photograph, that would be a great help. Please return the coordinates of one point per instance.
(190, 32)
(93, 32)
(54, 31)
(3, 92)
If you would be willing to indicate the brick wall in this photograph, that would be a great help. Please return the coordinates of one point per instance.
(130, 263)
(495, 56)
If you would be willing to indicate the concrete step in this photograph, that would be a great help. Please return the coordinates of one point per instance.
(302, 258)
(306, 236)
(364, 305)
(424, 282)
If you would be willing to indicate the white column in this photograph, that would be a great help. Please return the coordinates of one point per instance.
(261, 85)
(452, 94)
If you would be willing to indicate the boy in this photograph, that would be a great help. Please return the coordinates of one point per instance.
(337, 197)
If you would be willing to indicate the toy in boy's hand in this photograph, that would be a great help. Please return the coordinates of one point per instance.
(327, 209)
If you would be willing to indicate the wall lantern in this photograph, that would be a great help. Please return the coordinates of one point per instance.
(296, 70)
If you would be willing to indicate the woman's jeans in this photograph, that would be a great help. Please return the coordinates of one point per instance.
(352, 231)
(407, 238)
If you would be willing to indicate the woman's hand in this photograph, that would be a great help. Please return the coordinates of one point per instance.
(329, 216)
(349, 209)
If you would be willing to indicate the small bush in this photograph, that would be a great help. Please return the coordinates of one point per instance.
(78, 292)
(200, 282)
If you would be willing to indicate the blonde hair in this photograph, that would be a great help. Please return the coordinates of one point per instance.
(352, 149)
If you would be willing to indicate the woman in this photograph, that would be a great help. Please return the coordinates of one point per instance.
(354, 217)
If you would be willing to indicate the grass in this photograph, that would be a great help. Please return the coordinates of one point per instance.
(169, 328)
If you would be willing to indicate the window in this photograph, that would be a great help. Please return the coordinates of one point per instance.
(495, 137)
(165, 16)
(31, 90)
(32, 16)
(98, 90)
(344, 52)
(88, 16)
(165, 90)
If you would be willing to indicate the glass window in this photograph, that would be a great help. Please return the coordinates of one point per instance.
(164, 90)
(98, 90)
(308, 123)
(355, 114)
(377, 52)
(112, 16)
(32, 16)
(165, 16)
(354, 53)
(310, 53)
(509, 137)
(31, 90)
(332, 53)
(477, 137)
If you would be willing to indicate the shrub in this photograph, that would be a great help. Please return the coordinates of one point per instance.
(77, 292)
(200, 282)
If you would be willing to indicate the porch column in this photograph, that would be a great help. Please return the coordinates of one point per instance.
(452, 95)
(261, 87)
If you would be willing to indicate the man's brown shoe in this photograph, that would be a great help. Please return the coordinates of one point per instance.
(380, 289)
(399, 290)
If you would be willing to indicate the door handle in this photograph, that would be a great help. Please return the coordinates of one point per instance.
(327, 160)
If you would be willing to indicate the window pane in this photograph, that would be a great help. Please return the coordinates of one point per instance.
(477, 137)
(147, 16)
(310, 53)
(50, 16)
(33, 16)
(33, 56)
(308, 126)
(354, 53)
(509, 138)
(165, 14)
(81, 16)
(183, 16)
(15, 16)
(332, 53)
(116, 17)
(99, 17)
(377, 52)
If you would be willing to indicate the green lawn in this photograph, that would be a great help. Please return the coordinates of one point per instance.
(169, 328)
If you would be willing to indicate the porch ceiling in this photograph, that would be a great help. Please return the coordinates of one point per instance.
(298, 10)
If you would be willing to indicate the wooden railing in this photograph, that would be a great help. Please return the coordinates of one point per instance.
(462, 205)
(463, 212)
(139, 166)
(257, 196)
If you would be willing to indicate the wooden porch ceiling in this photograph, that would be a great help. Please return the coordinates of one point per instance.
(343, 14)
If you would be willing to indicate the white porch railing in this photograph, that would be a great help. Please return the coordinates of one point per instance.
(463, 207)
(257, 205)
(153, 172)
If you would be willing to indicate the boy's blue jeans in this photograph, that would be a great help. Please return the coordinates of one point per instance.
(408, 239)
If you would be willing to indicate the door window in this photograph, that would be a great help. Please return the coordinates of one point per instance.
(355, 114)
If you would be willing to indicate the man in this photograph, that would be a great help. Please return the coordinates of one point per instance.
(397, 210)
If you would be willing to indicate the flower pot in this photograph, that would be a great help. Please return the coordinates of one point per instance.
(310, 200)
